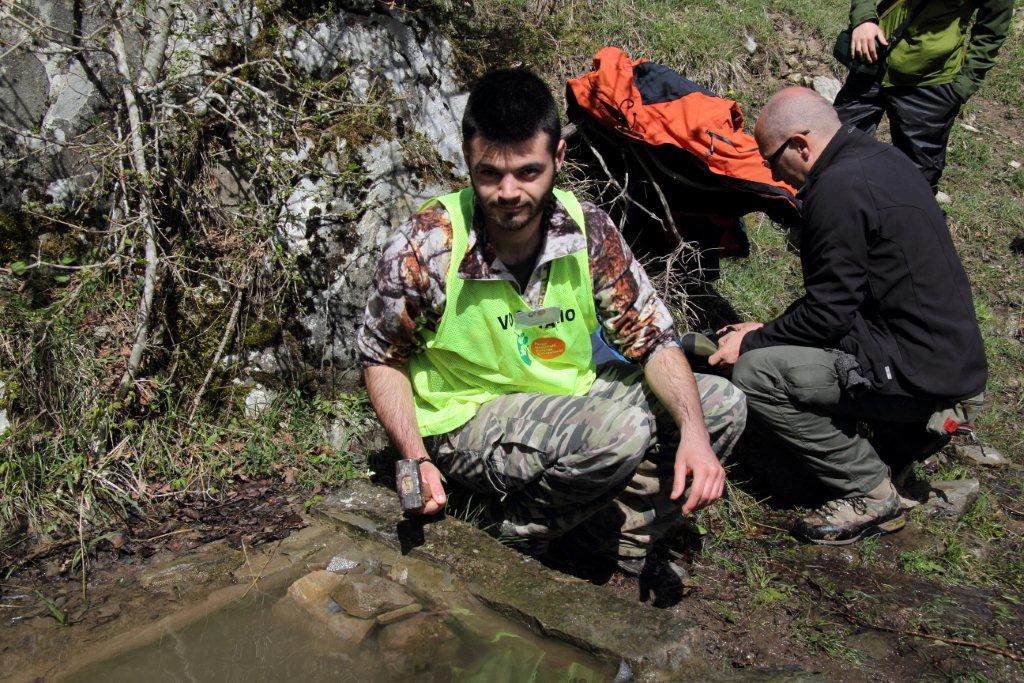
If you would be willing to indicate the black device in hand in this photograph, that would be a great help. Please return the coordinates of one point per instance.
(843, 52)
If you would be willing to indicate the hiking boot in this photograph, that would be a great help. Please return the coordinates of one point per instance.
(843, 521)
(508, 534)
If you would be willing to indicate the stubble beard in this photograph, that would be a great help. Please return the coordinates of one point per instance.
(493, 212)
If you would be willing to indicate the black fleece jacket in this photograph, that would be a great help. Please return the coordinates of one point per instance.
(882, 279)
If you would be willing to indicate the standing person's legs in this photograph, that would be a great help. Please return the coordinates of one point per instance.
(643, 512)
(921, 119)
(860, 102)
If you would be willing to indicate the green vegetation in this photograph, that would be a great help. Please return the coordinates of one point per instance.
(76, 457)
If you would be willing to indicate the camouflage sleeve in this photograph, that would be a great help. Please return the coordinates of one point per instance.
(408, 290)
(633, 317)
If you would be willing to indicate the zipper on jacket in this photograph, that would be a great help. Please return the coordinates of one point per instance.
(715, 136)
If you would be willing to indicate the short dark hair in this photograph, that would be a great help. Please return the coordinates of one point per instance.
(509, 106)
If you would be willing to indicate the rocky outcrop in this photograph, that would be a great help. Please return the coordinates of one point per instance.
(53, 102)
(339, 234)
(341, 193)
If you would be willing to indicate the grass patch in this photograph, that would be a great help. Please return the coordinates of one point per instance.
(828, 638)
(57, 471)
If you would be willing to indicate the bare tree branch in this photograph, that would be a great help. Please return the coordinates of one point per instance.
(144, 207)
(225, 340)
(160, 16)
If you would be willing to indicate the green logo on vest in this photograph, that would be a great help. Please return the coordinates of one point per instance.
(523, 347)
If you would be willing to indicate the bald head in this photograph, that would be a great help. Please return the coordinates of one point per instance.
(793, 129)
(795, 110)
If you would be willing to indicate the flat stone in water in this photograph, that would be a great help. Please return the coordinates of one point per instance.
(368, 596)
(952, 498)
(312, 594)
(415, 642)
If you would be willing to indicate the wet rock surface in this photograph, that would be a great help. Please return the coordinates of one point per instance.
(579, 613)
(369, 596)
(206, 564)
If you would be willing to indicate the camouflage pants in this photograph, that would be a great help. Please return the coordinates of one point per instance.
(602, 462)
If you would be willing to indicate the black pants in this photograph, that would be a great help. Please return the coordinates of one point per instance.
(920, 118)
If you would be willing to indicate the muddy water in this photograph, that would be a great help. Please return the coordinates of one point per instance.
(254, 639)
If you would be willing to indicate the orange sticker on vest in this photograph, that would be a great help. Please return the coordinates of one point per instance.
(547, 348)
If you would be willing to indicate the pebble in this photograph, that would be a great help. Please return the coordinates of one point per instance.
(827, 86)
(943, 198)
(749, 44)
(340, 564)
(969, 127)
(399, 573)
(1015, 165)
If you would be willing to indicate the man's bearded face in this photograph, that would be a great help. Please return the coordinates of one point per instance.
(513, 182)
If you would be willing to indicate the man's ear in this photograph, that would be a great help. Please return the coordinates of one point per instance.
(559, 155)
(802, 144)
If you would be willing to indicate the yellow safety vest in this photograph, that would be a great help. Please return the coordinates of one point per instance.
(480, 350)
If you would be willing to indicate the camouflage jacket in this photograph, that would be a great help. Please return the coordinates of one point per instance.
(409, 284)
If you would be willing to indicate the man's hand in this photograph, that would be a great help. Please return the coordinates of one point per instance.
(863, 41)
(670, 378)
(434, 496)
(707, 475)
(391, 395)
(729, 341)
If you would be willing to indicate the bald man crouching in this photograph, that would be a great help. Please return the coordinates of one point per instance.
(885, 332)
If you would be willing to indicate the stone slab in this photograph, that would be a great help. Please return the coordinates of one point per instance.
(952, 498)
(982, 455)
(366, 597)
(652, 641)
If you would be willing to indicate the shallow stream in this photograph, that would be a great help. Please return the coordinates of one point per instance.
(254, 639)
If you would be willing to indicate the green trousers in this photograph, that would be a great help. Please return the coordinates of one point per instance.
(602, 462)
(794, 392)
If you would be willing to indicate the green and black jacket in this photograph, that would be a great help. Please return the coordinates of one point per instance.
(934, 50)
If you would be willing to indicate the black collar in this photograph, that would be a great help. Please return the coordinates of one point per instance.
(846, 135)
